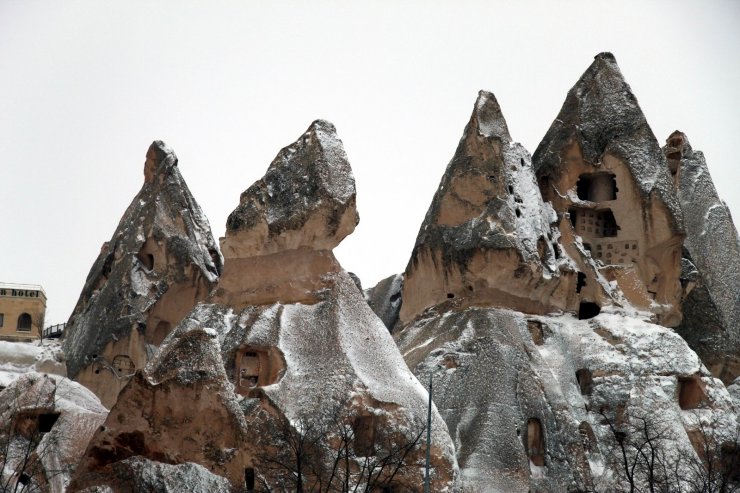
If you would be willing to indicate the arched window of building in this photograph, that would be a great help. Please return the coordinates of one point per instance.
(24, 322)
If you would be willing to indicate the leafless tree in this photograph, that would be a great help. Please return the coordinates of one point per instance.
(715, 467)
(26, 418)
(322, 454)
(648, 456)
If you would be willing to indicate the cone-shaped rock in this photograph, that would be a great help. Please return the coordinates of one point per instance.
(180, 409)
(487, 234)
(602, 168)
(711, 280)
(305, 359)
(529, 398)
(161, 260)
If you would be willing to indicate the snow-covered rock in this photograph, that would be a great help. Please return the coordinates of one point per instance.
(285, 350)
(488, 235)
(711, 307)
(161, 260)
(385, 299)
(602, 169)
(535, 398)
(45, 424)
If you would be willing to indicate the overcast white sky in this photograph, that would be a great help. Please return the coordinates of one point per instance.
(85, 86)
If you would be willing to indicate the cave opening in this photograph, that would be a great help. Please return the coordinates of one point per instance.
(597, 187)
(588, 309)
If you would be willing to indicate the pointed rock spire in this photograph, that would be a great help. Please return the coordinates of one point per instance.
(301, 352)
(602, 169)
(602, 115)
(161, 260)
(487, 118)
(486, 222)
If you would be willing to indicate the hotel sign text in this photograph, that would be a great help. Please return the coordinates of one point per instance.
(19, 293)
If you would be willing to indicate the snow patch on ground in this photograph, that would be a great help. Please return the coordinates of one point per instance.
(18, 358)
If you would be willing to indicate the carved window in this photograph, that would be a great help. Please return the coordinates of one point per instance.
(588, 309)
(24, 322)
(597, 187)
(581, 279)
(123, 365)
(536, 331)
(256, 367)
(535, 442)
(364, 429)
(691, 392)
(249, 479)
(606, 224)
(2, 319)
(249, 370)
(585, 380)
(46, 421)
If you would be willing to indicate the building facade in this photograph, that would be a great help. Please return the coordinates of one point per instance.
(22, 311)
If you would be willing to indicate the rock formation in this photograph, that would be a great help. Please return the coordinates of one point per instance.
(538, 299)
(385, 299)
(540, 401)
(711, 278)
(45, 423)
(284, 351)
(161, 260)
(180, 410)
(488, 236)
(602, 168)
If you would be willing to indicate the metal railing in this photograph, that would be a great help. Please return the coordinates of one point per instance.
(53, 331)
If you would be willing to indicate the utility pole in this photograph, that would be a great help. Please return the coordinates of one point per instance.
(429, 435)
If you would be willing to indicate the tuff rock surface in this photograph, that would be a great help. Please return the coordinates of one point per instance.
(487, 235)
(180, 409)
(539, 401)
(161, 260)
(602, 169)
(385, 299)
(138, 474)
(285, 347)
(45, 423)
(532, 300)
(711, 263)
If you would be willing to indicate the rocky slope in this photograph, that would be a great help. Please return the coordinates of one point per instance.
(161, 260)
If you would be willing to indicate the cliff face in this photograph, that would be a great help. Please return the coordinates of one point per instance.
(293, 354)
(161, 260)
(711, 277)
(601, 167)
